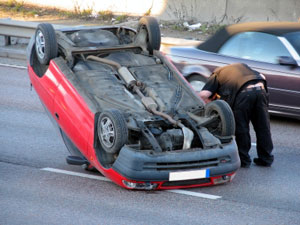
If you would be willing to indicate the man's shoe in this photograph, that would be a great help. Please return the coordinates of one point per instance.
(245, 165)
(260, 162)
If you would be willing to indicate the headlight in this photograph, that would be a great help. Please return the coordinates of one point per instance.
(222, 179)
(140, 185)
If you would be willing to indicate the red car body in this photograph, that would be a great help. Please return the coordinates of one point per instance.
(76, 119)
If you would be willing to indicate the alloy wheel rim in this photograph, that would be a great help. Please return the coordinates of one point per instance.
(40, 44)
(107, 132)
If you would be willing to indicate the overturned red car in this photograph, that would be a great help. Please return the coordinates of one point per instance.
(122, 108)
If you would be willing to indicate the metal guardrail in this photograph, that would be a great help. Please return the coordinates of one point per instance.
(14, 28)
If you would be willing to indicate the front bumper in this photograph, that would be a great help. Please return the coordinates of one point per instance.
(150, 166)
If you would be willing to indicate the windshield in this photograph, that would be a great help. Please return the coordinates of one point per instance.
(294, 39)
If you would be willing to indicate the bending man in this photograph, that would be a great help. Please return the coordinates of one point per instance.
(245, 90)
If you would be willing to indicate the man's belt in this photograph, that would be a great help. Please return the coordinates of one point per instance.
(254, 87)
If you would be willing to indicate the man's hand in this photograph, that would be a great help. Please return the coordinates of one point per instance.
(205, 95)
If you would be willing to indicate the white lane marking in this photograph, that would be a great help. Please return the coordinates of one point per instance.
(195, 194)
(183, 192)
(253, 144)
(76, 174)
(13, 66)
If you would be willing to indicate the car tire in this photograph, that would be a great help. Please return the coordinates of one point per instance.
(153, 31)
(46, 47)
(197, 81)
(225, 124)
(112, 130)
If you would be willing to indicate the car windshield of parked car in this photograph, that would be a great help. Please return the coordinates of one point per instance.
(255, 46)
(294, 39)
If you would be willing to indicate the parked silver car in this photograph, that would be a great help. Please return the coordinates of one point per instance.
(272, 48)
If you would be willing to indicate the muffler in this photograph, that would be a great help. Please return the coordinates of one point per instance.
(148, 102)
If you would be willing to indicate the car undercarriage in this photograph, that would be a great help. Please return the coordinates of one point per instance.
(148, 122)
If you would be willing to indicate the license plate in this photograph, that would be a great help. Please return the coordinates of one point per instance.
(188, 175)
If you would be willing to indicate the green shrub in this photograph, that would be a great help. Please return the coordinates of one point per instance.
(121, 18)
(105, 15)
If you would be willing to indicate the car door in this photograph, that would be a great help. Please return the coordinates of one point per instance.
(45, 84)
(261, 51)
(72, 114)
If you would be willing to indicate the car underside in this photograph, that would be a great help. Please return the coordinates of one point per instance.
(149, 129)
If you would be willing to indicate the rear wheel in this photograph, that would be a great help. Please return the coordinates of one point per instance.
(153, 32)
(45, 43)
(223, 123)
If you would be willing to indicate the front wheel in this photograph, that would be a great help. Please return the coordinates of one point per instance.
(223, 123)
(112, 130)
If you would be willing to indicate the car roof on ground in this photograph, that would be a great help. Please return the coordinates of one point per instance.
(214, 43)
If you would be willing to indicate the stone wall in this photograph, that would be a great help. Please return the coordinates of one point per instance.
(232, 11)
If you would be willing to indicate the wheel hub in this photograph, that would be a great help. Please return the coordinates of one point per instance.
(40, 44)
(107, 132)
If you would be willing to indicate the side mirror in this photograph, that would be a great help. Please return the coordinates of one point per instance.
(287, 61)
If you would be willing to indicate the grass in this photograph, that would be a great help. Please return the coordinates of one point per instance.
(15, 6)
(213, 28)
(14, 3)
(105, 15)
(21, 9)
(205, 28)
(178, 27)
(15, 9)
(121, 18)
(82, 14)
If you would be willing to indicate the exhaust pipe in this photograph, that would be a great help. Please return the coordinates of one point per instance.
(151, 106)
(148, 102)
(123, 71)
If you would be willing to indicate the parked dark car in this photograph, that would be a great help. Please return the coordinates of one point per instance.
(272, 48)
(122, 107)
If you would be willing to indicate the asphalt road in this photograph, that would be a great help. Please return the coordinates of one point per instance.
(31, 195)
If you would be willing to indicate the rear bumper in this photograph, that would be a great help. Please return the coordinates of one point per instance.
(150, 166)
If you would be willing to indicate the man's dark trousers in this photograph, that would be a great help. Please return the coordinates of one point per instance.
(252, 105)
